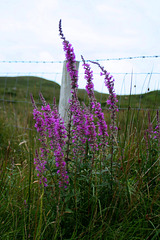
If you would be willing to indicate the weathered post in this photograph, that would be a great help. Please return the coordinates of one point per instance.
(65, 92)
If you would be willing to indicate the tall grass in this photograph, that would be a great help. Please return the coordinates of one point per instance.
(87, 209)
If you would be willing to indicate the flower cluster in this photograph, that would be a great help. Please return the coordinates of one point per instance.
(112, 100)
(71, 61)
(79, 137)
(150, 134)
(49, 124)
(57, 134)
(94, 105)
(81, 127)
(157, 129)
(40, 167)
(90, 129)
(40, 161)
(89, 78)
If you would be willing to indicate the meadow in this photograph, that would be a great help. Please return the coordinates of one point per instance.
(98, 184)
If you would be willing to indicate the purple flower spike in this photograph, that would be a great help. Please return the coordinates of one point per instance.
(71, 61)
(94, 105)
(57, 134)
(76, 112)
(112, 100)
(90, 129)
(49, 124)
(157, 129)
(40, 161)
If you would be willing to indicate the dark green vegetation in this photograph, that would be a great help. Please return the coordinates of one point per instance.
(96, 205)
(19, 88)
(14, 89)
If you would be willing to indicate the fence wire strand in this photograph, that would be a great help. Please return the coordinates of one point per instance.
(5, 99)
(96, 60)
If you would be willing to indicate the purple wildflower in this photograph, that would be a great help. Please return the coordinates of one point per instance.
(49, 123)
(40, 167)
(57, 134)
(112, 100)
(79, 137)
(76, 111)
(94, 105)
(40, 161)
(151, 133)
(89, 78)
(71, 61)
(157, 129)
(90, 129)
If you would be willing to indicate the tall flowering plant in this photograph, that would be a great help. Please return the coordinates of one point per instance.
(157, 129)
(94, 105)
(83, 128)
(80, 133)
(112, 99)
(40, 161)
(50, 125)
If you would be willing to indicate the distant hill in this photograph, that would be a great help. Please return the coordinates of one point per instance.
(19, 88)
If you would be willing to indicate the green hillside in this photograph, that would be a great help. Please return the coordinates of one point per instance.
(19, 88)
(13, 89)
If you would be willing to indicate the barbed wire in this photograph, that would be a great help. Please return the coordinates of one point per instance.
(126, 58)
(5, 102)
(25, 61)
(97, 60)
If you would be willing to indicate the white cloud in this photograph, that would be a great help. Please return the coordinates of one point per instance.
(46, 56)
(96, 29)
(109, 10)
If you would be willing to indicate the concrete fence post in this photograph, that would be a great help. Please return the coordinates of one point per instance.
(65, 92)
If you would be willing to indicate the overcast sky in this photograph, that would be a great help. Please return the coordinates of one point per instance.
(97, 29)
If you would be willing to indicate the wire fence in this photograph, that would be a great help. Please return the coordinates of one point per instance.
(140, 67)
(97, 60)
(136, 83)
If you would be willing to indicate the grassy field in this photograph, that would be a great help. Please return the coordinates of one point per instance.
(103, 201)
(15, 89)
